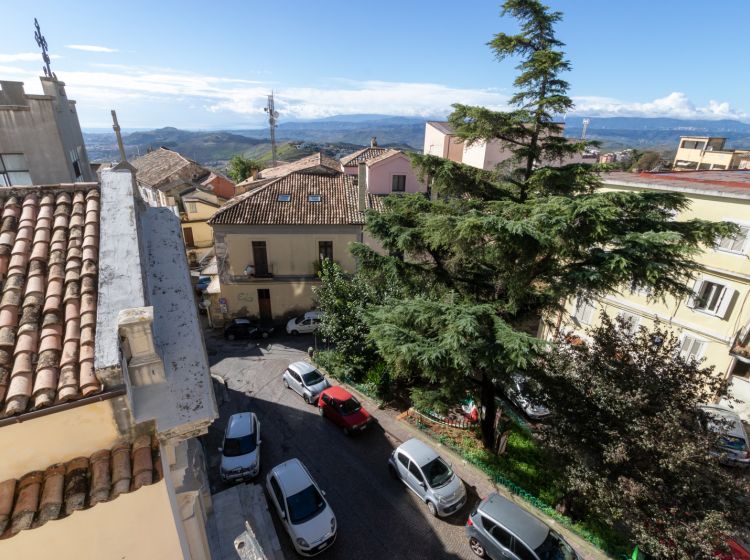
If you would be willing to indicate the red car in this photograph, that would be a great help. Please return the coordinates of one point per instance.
(340, 406)
(736, 552)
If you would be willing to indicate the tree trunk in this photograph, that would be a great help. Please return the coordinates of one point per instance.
(489, 410)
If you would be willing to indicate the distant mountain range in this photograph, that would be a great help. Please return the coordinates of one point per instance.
(343, 134)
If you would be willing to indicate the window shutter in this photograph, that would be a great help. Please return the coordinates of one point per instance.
(726, 299)
(693, 298)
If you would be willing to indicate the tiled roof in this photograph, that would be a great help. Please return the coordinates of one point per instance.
(49, 252)
(338, 205)
(442, 126)
(362, 155)
(305, 164)
(61, 489)
(730, 184)
(385, 155)
(163, 166)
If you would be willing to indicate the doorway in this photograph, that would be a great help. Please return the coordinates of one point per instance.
(264, 305)
(188, 232)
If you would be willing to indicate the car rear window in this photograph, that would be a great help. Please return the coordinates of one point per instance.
(305, 505)
(349, 406)
(555, 548)
(735, 443)
(312, 377)
(234, 447)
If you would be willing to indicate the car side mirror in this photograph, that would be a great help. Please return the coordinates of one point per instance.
(423, 484)
(221, 449)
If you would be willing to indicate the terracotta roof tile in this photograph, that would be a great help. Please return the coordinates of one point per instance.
(338, 203)
(354, 159)
(163, 166)
(310, 164)
(61, 489)
(49, 243)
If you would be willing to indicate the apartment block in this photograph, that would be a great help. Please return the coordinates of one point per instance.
(708, 152)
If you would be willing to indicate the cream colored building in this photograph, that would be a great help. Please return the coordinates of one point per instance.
(104, 380)
(197, 206)
(714, 323)
(270, 241)
(707, 152)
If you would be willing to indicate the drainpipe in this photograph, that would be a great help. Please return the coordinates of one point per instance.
(362, 186)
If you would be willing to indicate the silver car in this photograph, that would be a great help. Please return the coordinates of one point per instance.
(499, 529)
(305, 380)
(427, 475)
(240, 452)
(518, 392)
(732, 448)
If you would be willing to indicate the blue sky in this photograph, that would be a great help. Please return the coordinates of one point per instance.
(209, 64)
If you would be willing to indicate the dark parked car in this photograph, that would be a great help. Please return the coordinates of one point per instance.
(243, 327)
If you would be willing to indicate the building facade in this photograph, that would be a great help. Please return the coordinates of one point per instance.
(104, 380)
(713, 324)
(708, 152)
(40, 137)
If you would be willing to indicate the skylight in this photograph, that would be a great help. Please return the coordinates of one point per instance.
(313, 198)
(284, 198)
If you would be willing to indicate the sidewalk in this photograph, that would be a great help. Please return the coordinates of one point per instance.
(399, 431)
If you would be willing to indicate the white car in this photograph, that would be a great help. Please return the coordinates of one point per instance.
(307, 323)
(240, 452)
(302, 507)
(427, 474)
(305, 380)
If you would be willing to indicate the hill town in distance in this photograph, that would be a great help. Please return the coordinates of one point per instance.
(393, 315)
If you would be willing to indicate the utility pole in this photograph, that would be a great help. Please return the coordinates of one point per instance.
(273, 114)
(116, 127)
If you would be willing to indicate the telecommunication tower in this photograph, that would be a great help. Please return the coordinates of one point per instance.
(273, 115)
(586, 122)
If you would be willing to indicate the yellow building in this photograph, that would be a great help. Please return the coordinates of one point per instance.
(708, 152)
(104, 380)
(714, 323)
(269, 241)
(197, 207)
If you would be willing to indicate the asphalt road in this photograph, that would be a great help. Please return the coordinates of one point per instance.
(378, 518)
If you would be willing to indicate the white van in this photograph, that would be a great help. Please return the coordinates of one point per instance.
(304, 324)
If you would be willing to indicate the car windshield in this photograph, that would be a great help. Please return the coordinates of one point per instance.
(234, 447)
(349, 406)
(299, 319)
(305, 505)
(241, 322)
(312, 378)
(554, 548)
(437, 472)
(731, 442)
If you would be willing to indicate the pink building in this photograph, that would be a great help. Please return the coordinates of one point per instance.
(391, 172)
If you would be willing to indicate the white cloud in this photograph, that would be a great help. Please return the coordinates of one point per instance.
(91, 48)
(25, 57)
(675, 105)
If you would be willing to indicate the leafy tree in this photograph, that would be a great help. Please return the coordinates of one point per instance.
(625, 430)
(240, 168)
(647, 161)
(495, 252)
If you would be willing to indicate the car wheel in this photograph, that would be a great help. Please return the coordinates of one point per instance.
(307, 399)
(286, 383)
(476, 547)
(295, 333)
(231, 337)
(432, 509)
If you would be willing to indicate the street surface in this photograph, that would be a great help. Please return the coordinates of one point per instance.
(378, 517)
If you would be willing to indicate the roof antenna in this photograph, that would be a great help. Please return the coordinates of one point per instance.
(116, 127)
(42, 42)
(273, 114)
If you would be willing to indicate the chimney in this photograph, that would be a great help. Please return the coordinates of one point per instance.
(362, 186)
(145, 366)
(373, 142)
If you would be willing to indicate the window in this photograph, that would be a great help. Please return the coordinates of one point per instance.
(710, 296)
(284, 198)
(499, 534)
(192, 207)
(403, 459)
(736, 243)
(640, 290)
(75, 159)
(630, 321)
(584, 310)
(399, 183)
(277, 493)
(522, 551)
(691, 348)
(415, 472)
(692, 145)
(325, 250)
(314, 198)
(14, 170)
